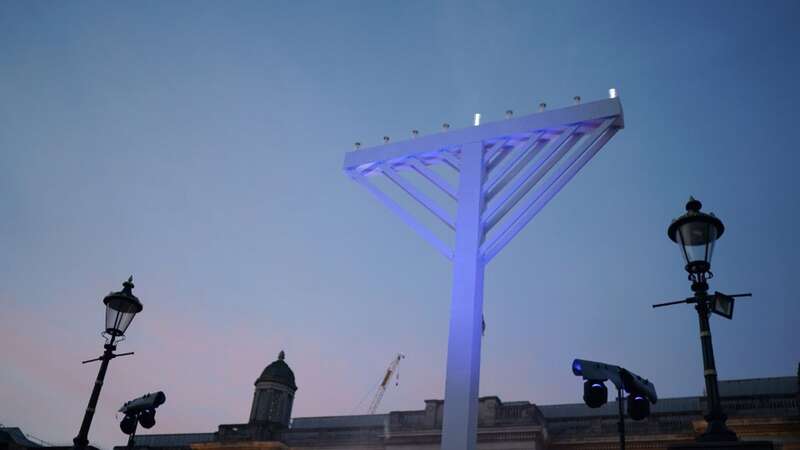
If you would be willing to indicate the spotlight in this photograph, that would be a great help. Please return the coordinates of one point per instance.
(147, 418)
(595, 393)
(128, 425)
(641, 391)
(638, 407)
(140, 411)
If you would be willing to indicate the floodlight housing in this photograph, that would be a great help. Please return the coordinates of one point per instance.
(128, 425)
(638, 407)
(596, 373)
(636, 385)
(723, 305)
(141, 410)
(593, 370)
(146, 402)
(595, 393)
(147, 418)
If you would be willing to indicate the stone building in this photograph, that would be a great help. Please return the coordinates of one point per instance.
(758, 409)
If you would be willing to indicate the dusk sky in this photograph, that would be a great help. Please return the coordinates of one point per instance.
(198, 146)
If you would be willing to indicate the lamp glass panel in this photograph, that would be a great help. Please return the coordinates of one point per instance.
(119, 314)
(697, 239)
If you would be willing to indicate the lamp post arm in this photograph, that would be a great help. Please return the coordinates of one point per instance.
(92, 360)
(676, 302)
(749, 294)
(112, 356)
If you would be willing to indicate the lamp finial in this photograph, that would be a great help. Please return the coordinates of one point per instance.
(693, 204)
(127, 286)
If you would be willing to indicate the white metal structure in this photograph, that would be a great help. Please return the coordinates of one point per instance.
(393, 366)
(507, 172)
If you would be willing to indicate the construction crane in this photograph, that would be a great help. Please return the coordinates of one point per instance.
(392, 369)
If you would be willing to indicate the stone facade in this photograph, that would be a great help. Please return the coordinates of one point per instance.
(766, 409)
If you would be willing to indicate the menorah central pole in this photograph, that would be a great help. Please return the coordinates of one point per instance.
(459, 428)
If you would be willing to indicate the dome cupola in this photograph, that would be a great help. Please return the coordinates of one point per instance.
(274, 395)
(278, 372)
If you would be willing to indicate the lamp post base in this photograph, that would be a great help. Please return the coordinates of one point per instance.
(717, 431)
(738, 445)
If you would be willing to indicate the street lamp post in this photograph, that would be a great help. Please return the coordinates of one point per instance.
(695, 232)
(121, 307)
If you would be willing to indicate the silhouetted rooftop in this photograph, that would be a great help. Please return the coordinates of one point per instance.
(367, 420)
(665, 405)
(778, 387)
(758, 386)
(173, 440)
(728, 388)
(16, 435)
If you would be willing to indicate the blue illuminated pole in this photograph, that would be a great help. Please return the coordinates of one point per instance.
(507, 172)
(466, 308)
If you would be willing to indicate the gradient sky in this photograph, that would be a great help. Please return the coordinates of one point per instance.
(198, 146)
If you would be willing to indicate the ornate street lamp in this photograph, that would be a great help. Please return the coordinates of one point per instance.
(696, 232)
(121, 307)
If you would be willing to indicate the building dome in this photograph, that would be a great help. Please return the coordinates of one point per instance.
(278, 372)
